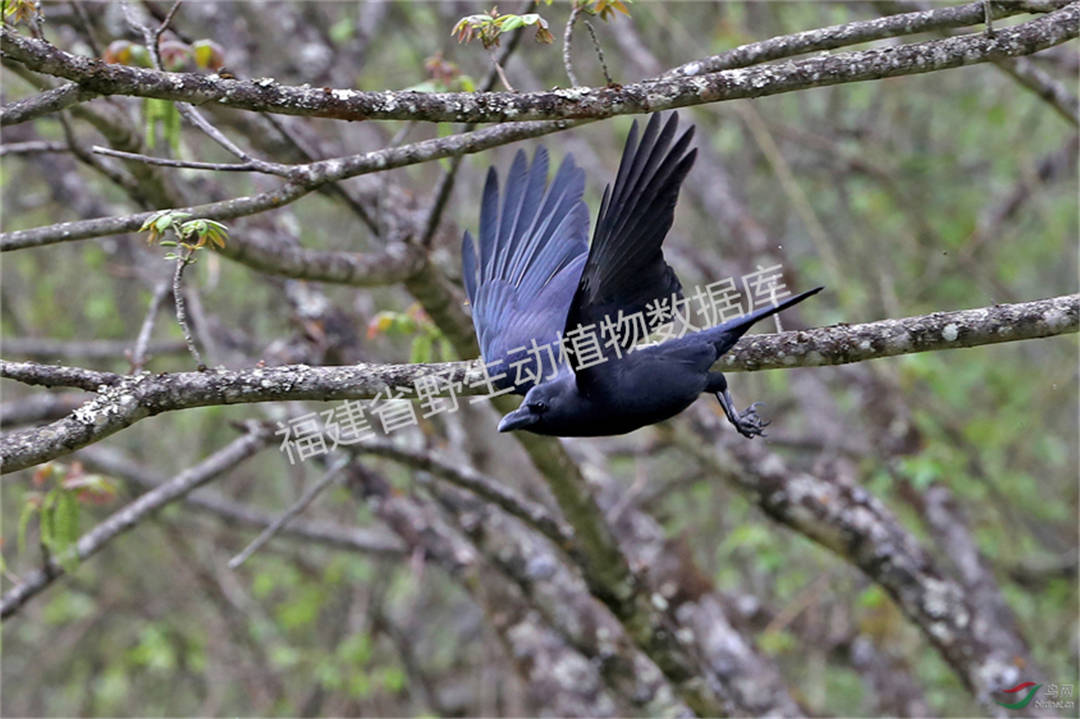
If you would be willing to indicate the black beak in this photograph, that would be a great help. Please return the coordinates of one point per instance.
(518, 419)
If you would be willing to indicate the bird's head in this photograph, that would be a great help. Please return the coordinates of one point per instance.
(545, 408)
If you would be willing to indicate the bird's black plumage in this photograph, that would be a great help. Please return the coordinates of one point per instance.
(537, 280)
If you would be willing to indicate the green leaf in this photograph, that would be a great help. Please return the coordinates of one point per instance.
(421, 349)
(47, 523)
(171, 127)
(355, 649)
(66, 527)
(342, 31)
(151, 220)
(30, 508)
(425, 86)
(208, 54)
(511, 22)
(393, 679)
(193, 227)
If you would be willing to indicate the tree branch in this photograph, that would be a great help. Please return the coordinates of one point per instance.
(852, 33)
(309, 495)
(531, 513)
(304, 179)
(843, 343)
(267, 95)
(32, 147)
(119, 522)
(1043, 84)
(43, 375)
(46, 103)
(846, 519)
(106, 460)
(128, 399)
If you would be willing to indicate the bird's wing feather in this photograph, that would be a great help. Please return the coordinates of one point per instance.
(531, 253)
(626, 268)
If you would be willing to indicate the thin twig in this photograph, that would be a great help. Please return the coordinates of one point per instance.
(88, 28)
(181, 312)
(446, 180)
(531, 513)
(195, 117)
(187, 110)
(187, 164)
(200, 322)
(307, 178)
(113, 174)
(790, 185)
(33, 147)
(599, 52)
(138, 354)
(502, 73)
(299, 506)
(152, 37)
(115, 463)
(567, 46)
(333, 188)
(131, 515)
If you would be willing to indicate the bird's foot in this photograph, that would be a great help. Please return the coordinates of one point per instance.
(749, 424)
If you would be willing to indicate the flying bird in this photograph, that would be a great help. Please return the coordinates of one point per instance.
(534, 283)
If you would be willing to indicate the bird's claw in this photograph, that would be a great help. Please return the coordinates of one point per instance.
(749, 424)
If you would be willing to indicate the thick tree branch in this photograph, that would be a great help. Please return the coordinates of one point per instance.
(305, 178)
(852, 33)
(119, 522)
(846, 519)
(39, 407)
(267, 95)
(33, 147)
(1043, 84)
(532, 645)
(124, 400)
(46, 103)
(43, 375)
(843, 344)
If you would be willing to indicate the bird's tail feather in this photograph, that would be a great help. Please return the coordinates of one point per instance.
(727, 334)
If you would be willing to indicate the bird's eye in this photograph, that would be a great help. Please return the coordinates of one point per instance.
(538, 407)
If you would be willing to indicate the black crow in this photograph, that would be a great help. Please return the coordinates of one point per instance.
(537, 281)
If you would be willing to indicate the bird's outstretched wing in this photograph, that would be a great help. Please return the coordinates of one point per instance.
(531, 253)
(626, 268)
